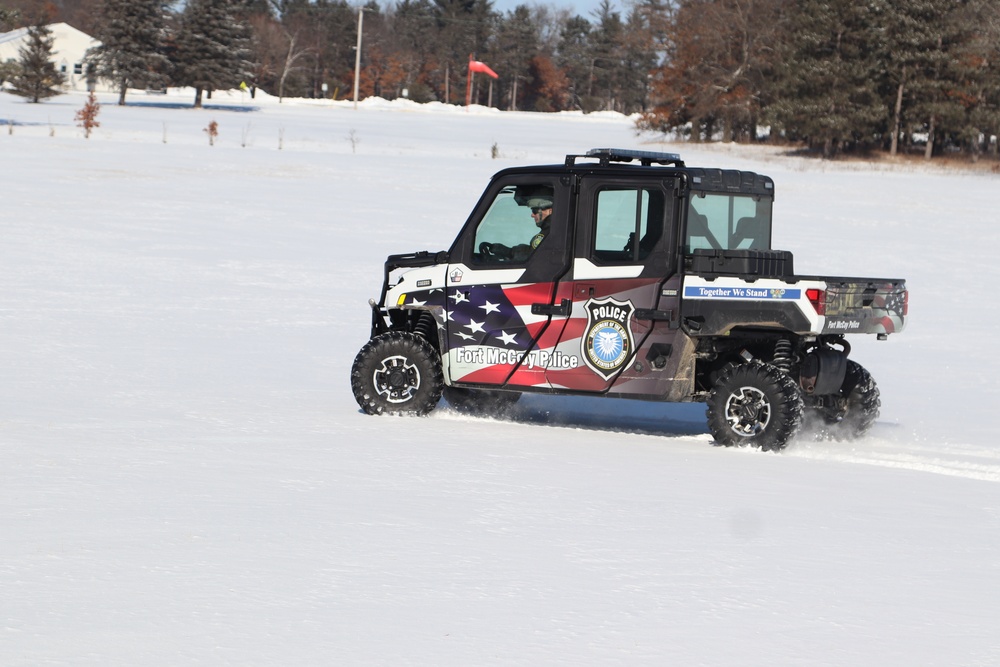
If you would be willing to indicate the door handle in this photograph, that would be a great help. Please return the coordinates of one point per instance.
(564, 308)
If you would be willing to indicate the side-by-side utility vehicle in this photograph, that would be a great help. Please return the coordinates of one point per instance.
(627, 274)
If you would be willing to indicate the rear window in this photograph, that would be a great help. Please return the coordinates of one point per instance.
(728, 222)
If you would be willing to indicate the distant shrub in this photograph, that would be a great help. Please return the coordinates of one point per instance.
(87, 116)
(212, 131)
(421, 93)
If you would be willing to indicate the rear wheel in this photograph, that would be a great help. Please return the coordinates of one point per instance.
(485, 402)
(397, 373)
(754, 404)
(853, 410)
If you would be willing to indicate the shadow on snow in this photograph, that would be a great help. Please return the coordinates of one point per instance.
(238, 108)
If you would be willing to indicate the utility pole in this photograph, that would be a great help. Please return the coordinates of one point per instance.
(357, 56)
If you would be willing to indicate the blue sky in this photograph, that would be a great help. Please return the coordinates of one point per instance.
(582, 7)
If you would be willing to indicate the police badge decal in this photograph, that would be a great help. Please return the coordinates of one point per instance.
(608, 343)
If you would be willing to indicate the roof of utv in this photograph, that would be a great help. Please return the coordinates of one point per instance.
(622, 161)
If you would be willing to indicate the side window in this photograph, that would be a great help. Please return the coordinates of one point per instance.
(515, 224)
(728, 222)
(629, 223)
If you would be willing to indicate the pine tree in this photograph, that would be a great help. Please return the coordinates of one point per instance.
(639, 55)
(516, 45)
(334, 40)
(910, 50)
(212, 47)
(573, 57)
(830, 75)
(955, 94)
(38, 77)
(607, 51)
(131, 51)
(464, 27)
(981, 53)
(414, 27)
(8, 70)
(8, 19)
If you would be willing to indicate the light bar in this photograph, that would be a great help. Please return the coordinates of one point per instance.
(646, 158)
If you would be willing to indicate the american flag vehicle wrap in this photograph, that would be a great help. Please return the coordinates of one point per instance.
(873, 307)
(491, 336)
(491, 331)
(494, 337)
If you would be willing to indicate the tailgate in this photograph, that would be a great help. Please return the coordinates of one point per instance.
(865, 306)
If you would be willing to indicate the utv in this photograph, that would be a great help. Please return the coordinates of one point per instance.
(627, 274)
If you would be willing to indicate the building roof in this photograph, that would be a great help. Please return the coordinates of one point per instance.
(68, 43)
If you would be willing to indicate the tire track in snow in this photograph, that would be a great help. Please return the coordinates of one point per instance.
(942, 458)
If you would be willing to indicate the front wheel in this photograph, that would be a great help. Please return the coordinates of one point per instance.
(397, 373)
(754, 404)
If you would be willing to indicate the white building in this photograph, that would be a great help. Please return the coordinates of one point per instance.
(68, 50)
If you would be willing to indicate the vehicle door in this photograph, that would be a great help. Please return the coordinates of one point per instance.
(624, 288)
(505, 301)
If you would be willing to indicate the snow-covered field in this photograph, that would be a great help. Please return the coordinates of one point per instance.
(186, 478)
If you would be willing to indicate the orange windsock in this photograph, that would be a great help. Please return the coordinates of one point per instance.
(476, 66)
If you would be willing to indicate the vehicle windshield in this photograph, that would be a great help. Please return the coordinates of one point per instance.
(728, 222)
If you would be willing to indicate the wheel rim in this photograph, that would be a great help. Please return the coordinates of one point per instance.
(397, 379)
(748, 411)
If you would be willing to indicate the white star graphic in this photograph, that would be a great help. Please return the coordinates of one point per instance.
(463, 336)
(508, 339)
(474, 326)
(491, 308)
(417, 302)
(459, 297)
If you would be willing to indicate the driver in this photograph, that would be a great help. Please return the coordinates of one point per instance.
(541, 213)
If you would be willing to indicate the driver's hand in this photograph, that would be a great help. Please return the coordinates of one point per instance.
(498, 250)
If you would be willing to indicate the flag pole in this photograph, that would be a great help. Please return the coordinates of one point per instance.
(476, 66)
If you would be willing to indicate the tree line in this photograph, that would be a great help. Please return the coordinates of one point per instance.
(835, 75)
(548, 59)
